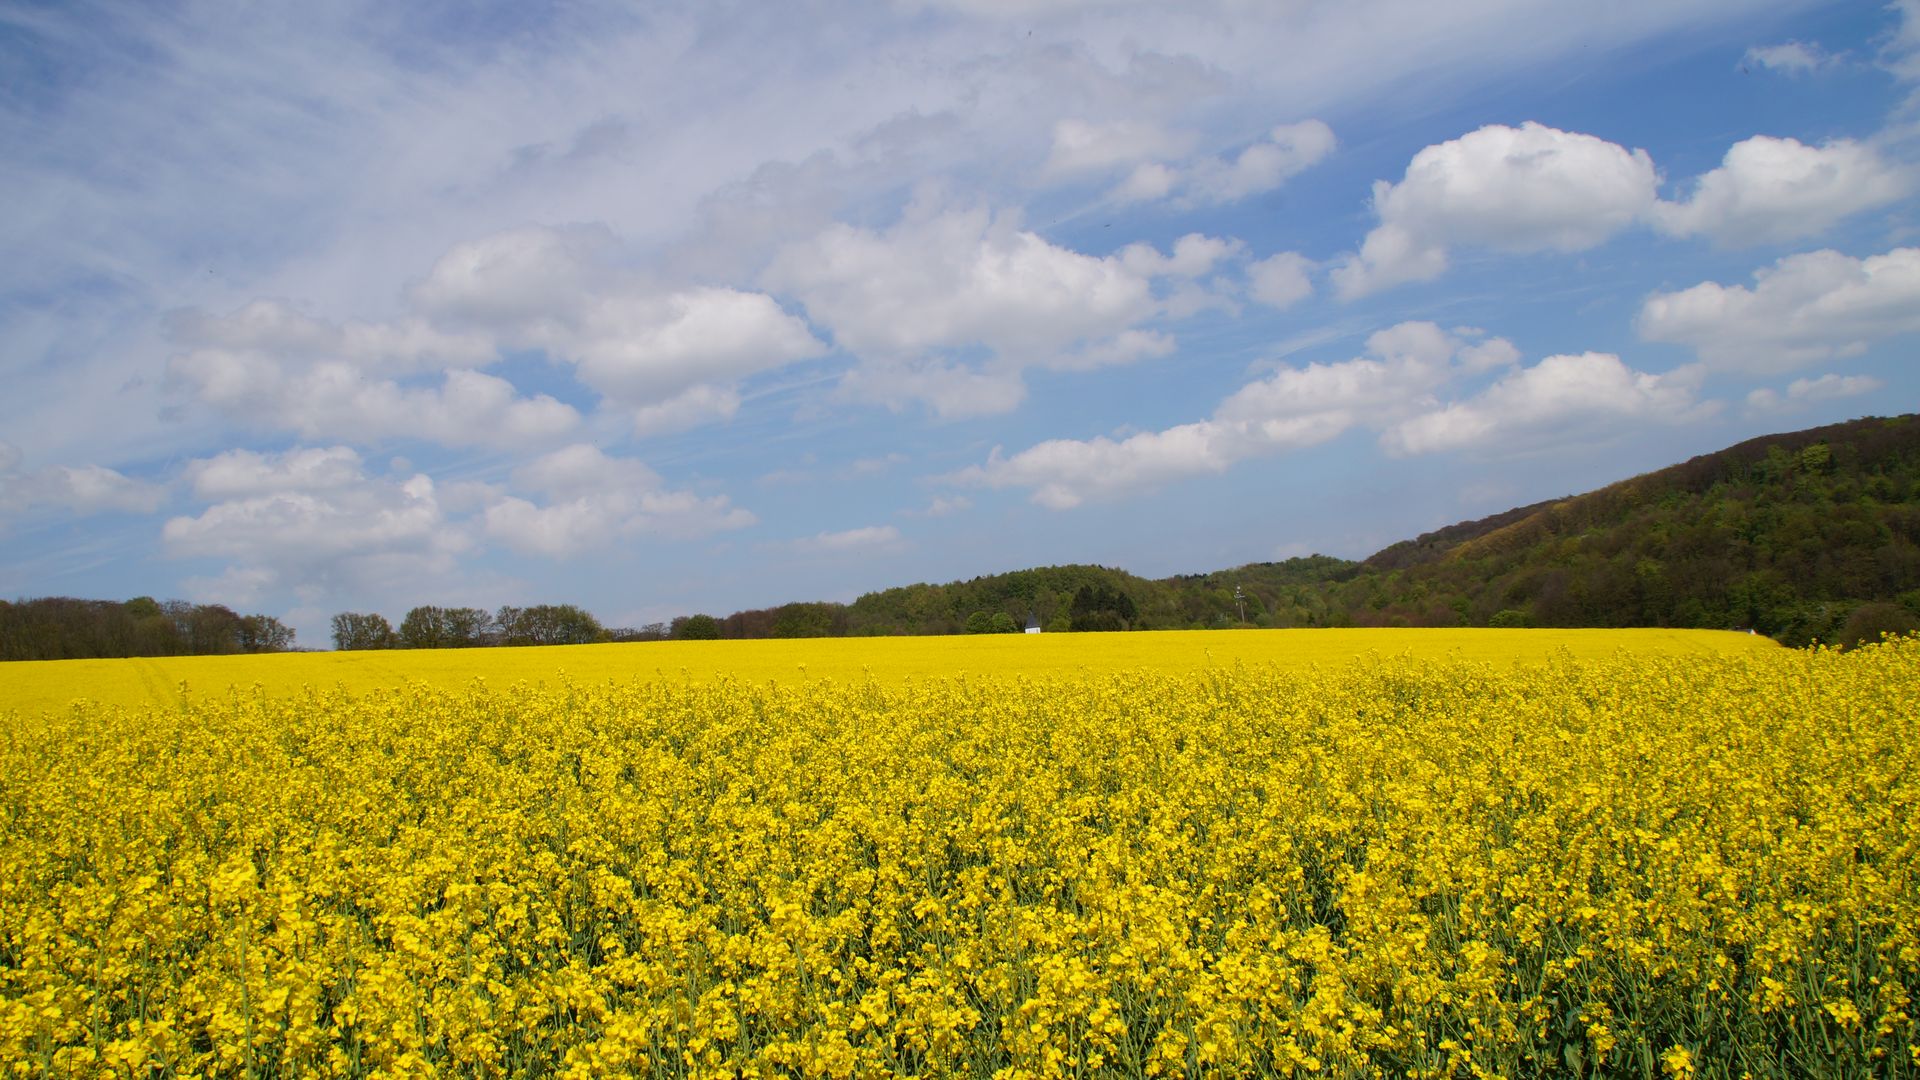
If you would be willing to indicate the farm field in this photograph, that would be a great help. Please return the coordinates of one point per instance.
(1693, 862)
(36, 686)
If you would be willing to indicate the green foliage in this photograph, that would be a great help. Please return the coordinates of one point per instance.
(1785, 535)
(264, 633)
(430, 627)
(546, 624)
(64, 628)
(1097, 607)
(696, 628)
(807, 620)
(1869, 622)
(143, 607)
(354, 630)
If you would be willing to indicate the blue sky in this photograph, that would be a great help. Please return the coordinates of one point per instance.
(698, 307)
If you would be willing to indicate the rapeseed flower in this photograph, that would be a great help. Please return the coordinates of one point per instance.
(1395, 867)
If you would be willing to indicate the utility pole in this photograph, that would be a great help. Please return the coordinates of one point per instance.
(1240, 601)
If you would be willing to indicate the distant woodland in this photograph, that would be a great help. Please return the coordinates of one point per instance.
(61, 628)
(1807, 536)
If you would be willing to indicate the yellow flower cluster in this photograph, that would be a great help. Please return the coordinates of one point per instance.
(1688, 866)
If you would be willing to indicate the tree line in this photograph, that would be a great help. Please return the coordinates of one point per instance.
(429, 627)
(1059, 599)
(65, 628)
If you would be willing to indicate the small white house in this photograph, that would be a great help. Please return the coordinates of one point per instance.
(1033, 623)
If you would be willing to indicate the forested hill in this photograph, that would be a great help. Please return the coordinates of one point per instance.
(1098, 598)
(1855, 448)
(1808, 535)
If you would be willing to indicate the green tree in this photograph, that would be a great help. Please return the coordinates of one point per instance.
(808, 620)
(696, 628)
(264, 633)
(465, 627)
(429, 627)
(546, 624)
(1101, 607)
(353, 630)
(65, 628)
(568, 624)
(423, 628)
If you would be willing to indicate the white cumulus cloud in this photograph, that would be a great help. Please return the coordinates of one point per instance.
(1148, 181)
(955, 278)
(690, 408)
(271, 367)
(1535, 188)
(1194, 255)
(244, 473)
(345, 531)
(942, 282)
(1402, 365)
(592, 500)
(1769, 189)
(1064, 473)
(1525, 189)
(1803, 309)
(673, 356)
(1293, 408)
(1560, 394)
(336, 399)
(74, 489)
(1826, 387)
(652, 350)
(1282, 280)
(276, 331)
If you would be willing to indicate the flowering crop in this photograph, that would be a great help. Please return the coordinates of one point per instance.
(39, 685)
(1637, 864)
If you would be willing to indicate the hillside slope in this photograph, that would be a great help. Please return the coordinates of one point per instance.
(1804, 535)
(1792, 535)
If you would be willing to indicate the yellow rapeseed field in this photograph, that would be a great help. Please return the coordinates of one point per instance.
(1622, 863)
(36, 686)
